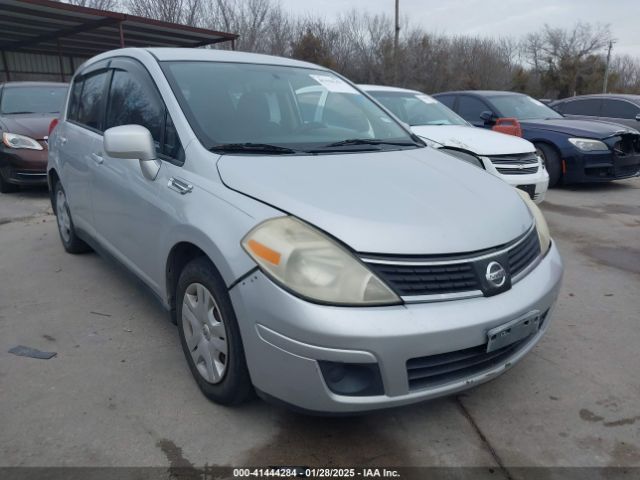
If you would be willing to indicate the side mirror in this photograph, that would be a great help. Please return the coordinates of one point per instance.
(638, 117)
(487, 116)
(133, 142)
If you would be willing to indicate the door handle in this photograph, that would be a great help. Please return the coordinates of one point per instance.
(97, 158)
(179, 186)
(63, 140)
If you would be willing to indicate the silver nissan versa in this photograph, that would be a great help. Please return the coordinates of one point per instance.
(327, 260)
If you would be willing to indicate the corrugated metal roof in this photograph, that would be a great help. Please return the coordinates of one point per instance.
(47, 27)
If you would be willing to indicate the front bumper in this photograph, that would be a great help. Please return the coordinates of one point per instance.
(23, 166)
(581, 167)
(284, 337)
(538, 182)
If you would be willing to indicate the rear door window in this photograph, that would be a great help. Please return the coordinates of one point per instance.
(619, 109)
(90, 108)
(589, 107)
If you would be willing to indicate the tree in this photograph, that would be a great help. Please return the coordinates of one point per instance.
(99, 4)
(562, 58)
(311, 48)
(176, 11)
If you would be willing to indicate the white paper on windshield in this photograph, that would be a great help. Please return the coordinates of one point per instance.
(426, 99)
(334, 84)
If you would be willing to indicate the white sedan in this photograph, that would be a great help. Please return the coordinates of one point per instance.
(511, 158)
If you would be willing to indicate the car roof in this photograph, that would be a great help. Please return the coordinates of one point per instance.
(384, 88)
(209, 55)
(621, 96)
(33, 84)
(480, 93)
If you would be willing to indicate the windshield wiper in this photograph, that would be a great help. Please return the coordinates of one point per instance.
(251, 148)
(15, 113)
(368, 141)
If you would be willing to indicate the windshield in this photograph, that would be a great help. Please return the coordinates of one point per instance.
(522, 107)
(252, 107)
(418, 109)
(38, 99)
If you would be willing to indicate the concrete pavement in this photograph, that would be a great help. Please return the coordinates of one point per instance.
(119, 391)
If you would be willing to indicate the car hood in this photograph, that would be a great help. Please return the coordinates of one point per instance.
(400, 202)
(32, 125)
(579, 128)
(476, 140)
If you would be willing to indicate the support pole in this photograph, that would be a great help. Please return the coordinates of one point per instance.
(396, 35)
(6, 66)
(60, 60)
(121, 29)
(606, 69)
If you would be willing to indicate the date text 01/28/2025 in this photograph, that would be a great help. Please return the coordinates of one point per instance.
(304, 472)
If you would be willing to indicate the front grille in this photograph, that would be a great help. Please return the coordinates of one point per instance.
(517, 170)
(434, 370)
(517, 164)
(448, 274)
(627, 145)
(429, 280)
(521, 256)
(518, 159)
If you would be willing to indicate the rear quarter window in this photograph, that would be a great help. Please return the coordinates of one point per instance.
(90, 107)
(74, 100)
(588, 107)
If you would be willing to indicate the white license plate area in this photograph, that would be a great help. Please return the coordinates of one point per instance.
(512, 331)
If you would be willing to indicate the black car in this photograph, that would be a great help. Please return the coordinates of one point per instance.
(610, 107)
(573, 150)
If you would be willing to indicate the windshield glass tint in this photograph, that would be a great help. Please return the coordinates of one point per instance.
(32, 99)
(418, 109)
(297, 108)
(522, 107)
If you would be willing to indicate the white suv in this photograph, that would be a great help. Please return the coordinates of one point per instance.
(511, 158)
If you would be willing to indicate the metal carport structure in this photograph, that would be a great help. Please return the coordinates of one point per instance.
(46, 38)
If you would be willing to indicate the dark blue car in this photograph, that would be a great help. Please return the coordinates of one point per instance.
(573, 151)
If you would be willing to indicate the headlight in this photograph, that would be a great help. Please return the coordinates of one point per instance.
(13, 140)
(541, 224)
(467, 157)
(313, 265)
(588, 145)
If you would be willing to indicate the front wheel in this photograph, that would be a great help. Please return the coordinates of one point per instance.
(210, 335)
(551, 161)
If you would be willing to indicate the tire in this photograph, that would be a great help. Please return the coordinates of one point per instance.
(210, 335)
(70, 240)
(552, 163)
(6, 187)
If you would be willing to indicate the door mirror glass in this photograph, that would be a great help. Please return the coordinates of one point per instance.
(487, 116)
(129, 141)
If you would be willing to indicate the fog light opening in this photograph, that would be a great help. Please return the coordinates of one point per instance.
(353, 379)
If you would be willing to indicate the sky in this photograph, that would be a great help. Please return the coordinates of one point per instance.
(495, 18)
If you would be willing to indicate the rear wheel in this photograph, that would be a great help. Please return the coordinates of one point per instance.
(551, 161)
(70, 240)
(209, 334)
(6, 187)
